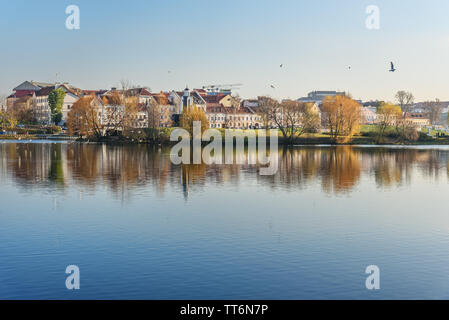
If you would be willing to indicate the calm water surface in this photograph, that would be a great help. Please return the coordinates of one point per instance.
(140, 227)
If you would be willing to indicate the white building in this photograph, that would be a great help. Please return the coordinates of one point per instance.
(69, 99)
(39, 92)
(369, 115)
(185, 98)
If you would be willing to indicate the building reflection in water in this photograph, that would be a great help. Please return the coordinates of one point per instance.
(121, 169)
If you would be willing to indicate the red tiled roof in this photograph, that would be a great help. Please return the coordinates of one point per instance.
(71, 90)
(44, 91)
(93, 92)
(144, 92)
(90, 92)
(213, 98)
(161, 98)
(23, 93)
(139, 91)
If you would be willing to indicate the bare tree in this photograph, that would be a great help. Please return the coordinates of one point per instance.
(227, 121)
(130, 114)
(236, 102)
(24, 110)
(126, 87)
(405, 100)
(405, 129)
(154, 114)
(234, 110)
(295, 118)
(154, 118)
(125, 84)
(433, 110)
(267, 108)
(388, 115)
(114, 111)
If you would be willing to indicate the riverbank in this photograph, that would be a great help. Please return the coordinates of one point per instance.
(316, 139)
(366, 136)
(310, 139)
(36, 137)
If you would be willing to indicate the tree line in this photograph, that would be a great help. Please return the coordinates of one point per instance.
(119, 114)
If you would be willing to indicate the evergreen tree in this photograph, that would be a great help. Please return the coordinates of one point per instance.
(56, 101)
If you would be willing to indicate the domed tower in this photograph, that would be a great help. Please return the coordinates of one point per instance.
(185, 98)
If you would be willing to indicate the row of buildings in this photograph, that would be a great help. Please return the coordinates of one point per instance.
(222, 109)
(416, 115)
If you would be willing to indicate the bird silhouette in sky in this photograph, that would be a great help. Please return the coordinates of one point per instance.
(281, 66)
(392, 67)
(272, 86)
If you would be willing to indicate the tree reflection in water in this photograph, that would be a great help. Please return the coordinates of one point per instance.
(123, 168)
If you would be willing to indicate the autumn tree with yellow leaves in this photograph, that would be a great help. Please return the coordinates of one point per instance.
(7, 120)
(388, 115)
(341, 116)
(120, 112)
(83, 119)
(191, 114)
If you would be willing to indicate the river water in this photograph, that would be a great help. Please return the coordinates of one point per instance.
(140, 227)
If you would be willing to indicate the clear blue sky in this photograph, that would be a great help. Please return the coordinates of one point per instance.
(208, 41)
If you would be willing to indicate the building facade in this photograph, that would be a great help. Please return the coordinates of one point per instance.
(318, 96)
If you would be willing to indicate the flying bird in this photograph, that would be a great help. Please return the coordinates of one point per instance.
(272, 86)
(392, 67)
(281, 66)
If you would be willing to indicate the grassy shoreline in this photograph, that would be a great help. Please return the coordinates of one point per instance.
(311, 139)
(366, 136)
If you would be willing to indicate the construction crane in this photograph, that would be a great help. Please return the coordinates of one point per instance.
(221, 88)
